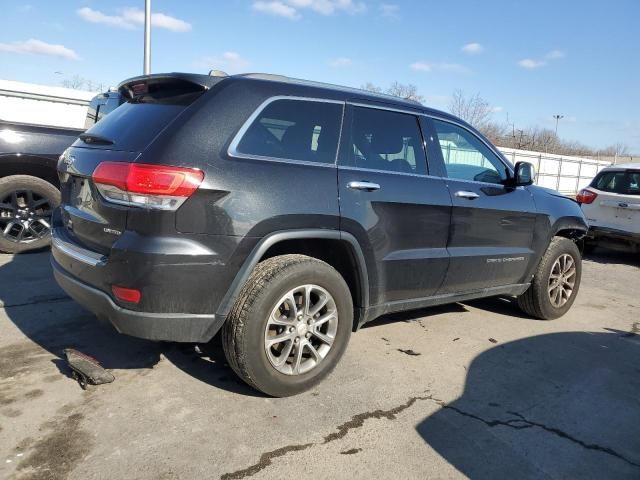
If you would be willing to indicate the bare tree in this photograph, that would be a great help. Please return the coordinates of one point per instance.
(407, 91)
(474, 109)
(370, 87)
(76, 82)
(477, 111)
(616, 150)
(495, 132)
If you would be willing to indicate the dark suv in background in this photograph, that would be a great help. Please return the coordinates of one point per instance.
(289, 213)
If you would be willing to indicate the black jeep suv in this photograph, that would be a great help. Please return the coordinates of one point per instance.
(288, 213)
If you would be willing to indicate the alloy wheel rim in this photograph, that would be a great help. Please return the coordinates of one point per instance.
(301, 329)
(562, 280)
(25, 216)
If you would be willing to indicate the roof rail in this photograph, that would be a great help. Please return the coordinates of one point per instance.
(311, 83)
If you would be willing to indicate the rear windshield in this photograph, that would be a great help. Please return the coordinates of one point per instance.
(134, 124)
(626, 183)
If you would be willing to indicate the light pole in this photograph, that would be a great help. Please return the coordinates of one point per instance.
(557, 117)
(147, 37)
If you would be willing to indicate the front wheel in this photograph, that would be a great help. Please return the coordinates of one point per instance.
(290, 325)
(556, 282)
(26, 206)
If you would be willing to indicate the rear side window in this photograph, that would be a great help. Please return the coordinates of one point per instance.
(294, 130)
(92, 112)
(112, 103)
(626, 183)
(385, 140)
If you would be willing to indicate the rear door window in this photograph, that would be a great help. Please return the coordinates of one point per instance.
(625, 183)
(302, 130)
(385, 140)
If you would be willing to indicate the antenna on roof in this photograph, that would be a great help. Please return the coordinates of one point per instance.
(218, 73)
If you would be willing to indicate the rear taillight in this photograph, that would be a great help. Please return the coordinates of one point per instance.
(586, 196)
(142, 185)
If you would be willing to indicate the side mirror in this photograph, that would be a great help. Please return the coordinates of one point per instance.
(524, 174)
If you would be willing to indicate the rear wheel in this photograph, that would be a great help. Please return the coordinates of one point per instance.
(26, 206)
(289, 326)
(556, 282)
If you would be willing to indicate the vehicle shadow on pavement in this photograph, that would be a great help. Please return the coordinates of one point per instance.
(614, 257)
(501, 305)
(415, 315)
(561, 405)
(35, 304)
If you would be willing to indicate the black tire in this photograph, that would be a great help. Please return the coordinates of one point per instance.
(536, 300)
(40, 189)
(243, 334)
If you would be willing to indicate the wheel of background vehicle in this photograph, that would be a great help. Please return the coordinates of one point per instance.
(26, 205)
(556, 282)
(289, 326)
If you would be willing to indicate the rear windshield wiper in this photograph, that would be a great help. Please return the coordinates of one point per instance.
(95, 139)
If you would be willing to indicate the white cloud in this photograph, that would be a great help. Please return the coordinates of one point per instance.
(390, 10)
(95, 16)
(438, 66)
(230, 62)
(291, 8)
(38, 47)
(472, 48)
(276, 8)
(555, 55)
(420, 67)
(533, 63)
(340, 62)
(131, 18)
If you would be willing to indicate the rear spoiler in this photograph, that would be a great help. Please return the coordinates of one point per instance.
(127, 88)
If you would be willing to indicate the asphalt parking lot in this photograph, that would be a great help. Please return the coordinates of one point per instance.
(474, 390)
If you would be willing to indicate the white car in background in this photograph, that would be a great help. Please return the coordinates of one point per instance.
(611, 204)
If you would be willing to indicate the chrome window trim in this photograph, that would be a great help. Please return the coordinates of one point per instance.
(233, 152)
(375, 170)
(437, 177)
(417, 113)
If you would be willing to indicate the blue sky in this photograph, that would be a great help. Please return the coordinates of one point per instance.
(530, 60)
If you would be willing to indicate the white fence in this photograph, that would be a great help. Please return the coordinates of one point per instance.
(565, 174)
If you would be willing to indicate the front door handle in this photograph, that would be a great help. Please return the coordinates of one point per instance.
(366, 186)
(467, 195)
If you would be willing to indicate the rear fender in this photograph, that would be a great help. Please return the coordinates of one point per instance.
(272, 239)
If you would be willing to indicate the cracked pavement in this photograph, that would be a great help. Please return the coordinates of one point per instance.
(469, 390)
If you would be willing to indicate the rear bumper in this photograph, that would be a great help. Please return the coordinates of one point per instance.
(175, 327)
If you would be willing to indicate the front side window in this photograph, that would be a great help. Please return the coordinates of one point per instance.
(466, 157)
(385, 140)
(625, 183)
(295, 130)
